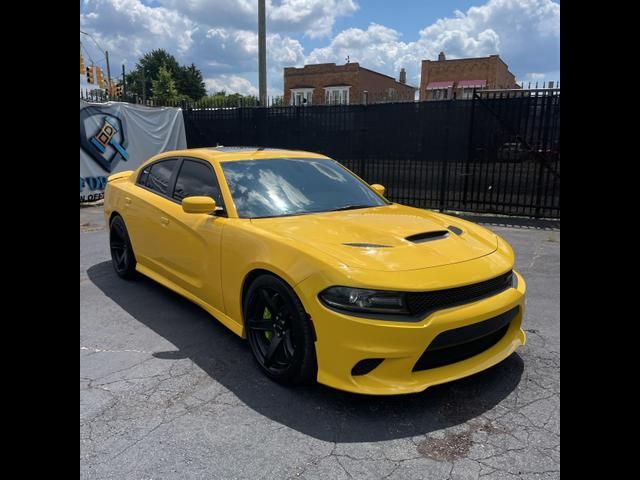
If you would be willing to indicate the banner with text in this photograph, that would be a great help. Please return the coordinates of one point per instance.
(118, 136)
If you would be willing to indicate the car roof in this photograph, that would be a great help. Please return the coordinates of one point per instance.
(227, 154)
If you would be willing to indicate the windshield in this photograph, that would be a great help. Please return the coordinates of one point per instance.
(289, 186)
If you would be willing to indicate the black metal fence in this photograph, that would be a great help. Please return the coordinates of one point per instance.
(513, 155)
(498, 152)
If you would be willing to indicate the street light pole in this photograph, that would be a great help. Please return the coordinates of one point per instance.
(106, 55)
(262, 54)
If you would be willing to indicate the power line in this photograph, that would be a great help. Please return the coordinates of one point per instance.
(94, 40)
(106, 57)
(86, 50)
(88, 55)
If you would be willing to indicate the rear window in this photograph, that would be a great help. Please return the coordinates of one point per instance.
(156, 177)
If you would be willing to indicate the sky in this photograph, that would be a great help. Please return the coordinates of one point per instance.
(220, 36)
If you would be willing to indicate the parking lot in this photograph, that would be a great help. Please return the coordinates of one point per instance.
(166, 392)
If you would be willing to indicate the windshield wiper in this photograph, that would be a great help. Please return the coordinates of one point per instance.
(351, 207)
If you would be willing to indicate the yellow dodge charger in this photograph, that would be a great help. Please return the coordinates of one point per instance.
(325, 278)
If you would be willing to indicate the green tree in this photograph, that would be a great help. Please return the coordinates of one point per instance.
(221, 99)
(189, 80)
(164, 88)
(191, 83)
(151, 63)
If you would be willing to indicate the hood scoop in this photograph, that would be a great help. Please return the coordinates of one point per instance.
(427, 236)
(393, 238)
(455, 230)
(367, 245)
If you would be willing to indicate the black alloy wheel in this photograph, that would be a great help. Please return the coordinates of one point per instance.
(279, 331)
(122, 257)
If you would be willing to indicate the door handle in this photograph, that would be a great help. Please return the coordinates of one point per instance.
(164, 220)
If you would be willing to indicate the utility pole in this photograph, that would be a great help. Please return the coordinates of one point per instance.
(106, 55)
(262, 54)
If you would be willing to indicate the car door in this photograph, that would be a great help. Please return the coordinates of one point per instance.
(145, 212)
(190, 243)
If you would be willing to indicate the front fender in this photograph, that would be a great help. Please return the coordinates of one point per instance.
(246, 249)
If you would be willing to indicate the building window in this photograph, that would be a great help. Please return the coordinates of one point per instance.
(301, 96)
(467, 93)
(336, 95)
(440, 94)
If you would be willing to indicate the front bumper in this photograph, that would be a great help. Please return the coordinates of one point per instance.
(344, 340)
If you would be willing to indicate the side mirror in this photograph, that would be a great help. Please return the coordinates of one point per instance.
(199, 205)
(379, 189)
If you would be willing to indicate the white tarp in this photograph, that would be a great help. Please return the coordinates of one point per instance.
(118, 136)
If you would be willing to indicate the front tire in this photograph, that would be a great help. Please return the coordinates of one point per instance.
(122, 257)
(279, 331)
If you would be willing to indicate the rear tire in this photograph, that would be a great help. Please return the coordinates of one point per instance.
(122, 256)
(279, 331)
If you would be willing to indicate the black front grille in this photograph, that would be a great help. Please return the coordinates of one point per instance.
(421, 303)
(462, 343)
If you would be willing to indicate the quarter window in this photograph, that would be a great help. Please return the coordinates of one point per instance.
(157, 176)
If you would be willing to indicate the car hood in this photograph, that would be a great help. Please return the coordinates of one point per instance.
(388, 238)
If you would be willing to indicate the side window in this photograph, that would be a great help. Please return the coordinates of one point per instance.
(196, 179)
(157, 176)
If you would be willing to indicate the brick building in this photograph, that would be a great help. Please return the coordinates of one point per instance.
(445, 79)
(328, 83)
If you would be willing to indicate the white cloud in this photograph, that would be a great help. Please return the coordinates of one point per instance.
(235, 51)
(220, 37)
(526, 34)
(378, 47)
(230, 84)
(129, 28)
(314, 18)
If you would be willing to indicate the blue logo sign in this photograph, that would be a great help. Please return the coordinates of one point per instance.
(107, 144)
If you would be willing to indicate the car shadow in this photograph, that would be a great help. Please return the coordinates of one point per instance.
(314, 410)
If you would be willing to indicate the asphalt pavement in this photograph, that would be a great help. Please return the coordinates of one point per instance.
(167, 392)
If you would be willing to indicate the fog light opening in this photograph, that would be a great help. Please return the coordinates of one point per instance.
(365, 366)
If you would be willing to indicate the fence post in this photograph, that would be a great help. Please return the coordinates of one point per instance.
(545, 115)
(260, 119)
(445, 166)
(467, 167)
(363, 139)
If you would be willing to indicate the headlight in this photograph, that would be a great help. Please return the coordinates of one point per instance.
(361, 300)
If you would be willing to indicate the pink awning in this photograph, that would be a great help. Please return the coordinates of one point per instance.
(438, 85)
(472, 83)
